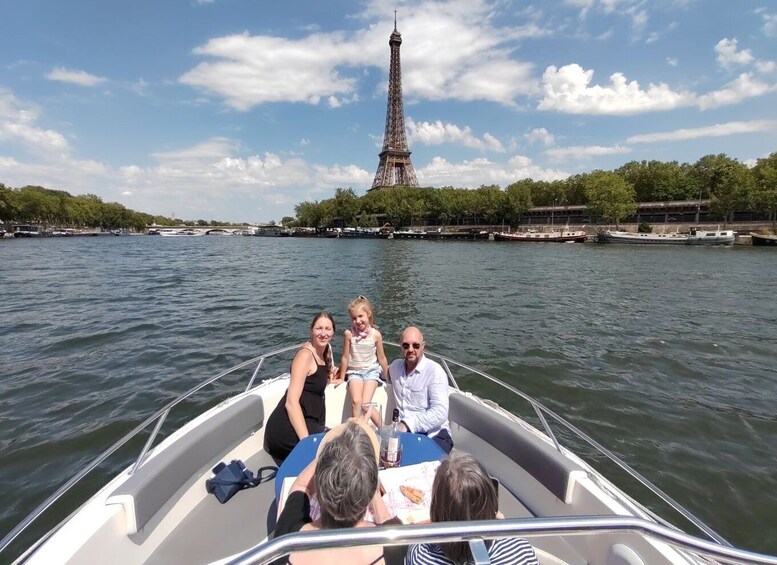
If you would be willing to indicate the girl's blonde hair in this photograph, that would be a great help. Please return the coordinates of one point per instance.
(362, 302)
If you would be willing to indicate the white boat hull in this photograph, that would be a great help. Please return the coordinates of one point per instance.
(162, 512)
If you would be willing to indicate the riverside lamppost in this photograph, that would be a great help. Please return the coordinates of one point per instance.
(552, 211)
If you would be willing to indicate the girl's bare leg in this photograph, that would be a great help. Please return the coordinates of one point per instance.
(367, 392)
(355, 387)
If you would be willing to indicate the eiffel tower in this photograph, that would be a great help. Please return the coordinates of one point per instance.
(394, 167)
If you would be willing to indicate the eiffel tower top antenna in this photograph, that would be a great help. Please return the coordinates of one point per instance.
(394, 166)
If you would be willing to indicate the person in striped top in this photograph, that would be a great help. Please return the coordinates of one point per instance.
(363, 362)
(463, 490)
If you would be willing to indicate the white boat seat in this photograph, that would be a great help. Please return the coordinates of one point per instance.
(211, 531)
(542, 461)
(159, 478)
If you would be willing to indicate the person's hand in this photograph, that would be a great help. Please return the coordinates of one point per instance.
(334, 374)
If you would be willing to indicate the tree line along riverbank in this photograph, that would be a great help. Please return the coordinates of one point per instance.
(717, 185)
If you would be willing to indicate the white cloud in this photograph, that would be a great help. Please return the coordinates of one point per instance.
(18, 125)
(476, 172)
(584, 152)
(766, 67)
(606, 6)
(247, 70)
(437, 133)
(81, 78)
(212, 176)
(743, 87)
(717, 130)
(140, 87)
(540, 136)
(728, 54)
(567, 90)
(348, 176)
(633, 9)
(672, 61)
(770, 24)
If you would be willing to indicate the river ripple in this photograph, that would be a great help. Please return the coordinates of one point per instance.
(665, 355)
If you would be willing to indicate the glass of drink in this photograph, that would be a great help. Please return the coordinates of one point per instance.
(390, 451)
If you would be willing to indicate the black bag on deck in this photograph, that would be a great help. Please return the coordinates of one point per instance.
(230, 478)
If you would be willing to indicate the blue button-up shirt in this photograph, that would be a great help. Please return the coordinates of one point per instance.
(421, 396)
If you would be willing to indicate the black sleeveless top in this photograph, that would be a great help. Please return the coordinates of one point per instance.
(280, 437)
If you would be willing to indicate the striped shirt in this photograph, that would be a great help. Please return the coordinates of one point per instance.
(363, 352)
(505, 551)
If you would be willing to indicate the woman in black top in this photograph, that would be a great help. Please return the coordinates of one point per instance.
(302, 410)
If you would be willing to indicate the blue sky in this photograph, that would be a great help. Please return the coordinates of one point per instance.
(239, 109)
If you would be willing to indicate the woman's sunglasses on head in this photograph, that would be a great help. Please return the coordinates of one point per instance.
(406, 345)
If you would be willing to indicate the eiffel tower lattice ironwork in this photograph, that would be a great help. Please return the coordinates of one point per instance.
(394, 167)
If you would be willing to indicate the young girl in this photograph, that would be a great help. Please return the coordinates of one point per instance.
(363, 359)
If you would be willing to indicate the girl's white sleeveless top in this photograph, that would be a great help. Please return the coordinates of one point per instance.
(363, 352)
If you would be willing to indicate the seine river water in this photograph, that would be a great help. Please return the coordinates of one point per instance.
(665, 355)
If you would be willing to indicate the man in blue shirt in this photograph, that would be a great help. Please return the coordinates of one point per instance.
(420, 388)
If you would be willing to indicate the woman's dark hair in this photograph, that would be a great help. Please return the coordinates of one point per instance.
(346, 478)
(462, 490)
(328, 351)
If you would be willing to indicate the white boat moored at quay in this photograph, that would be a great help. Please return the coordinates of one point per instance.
(557, 236)
(711, 237)
(26, 230)
(642, 238)
(158, 510)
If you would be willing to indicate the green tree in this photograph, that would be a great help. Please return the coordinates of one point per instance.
(609, 196)
(8, 210)
(518, 200)
(308, 214)
(656, 181)
(490, 202)
(345, 205)
(765, 189)
(727, 182)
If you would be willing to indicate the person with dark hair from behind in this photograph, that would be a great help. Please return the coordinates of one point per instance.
(302, 410)
(463, 490)
(344, 480)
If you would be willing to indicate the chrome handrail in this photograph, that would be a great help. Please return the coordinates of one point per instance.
(161, 414)
(540, 408)
(442, 532)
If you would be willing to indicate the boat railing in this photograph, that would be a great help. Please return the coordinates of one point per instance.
(159, 417)
(475, 532)
(542, 411)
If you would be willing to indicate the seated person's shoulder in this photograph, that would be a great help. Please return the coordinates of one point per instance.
(513, 550)
(423, 553)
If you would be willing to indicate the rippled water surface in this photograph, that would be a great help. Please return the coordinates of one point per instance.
(665, 355)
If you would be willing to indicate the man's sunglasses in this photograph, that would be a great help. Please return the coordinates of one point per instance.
(406, 345)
